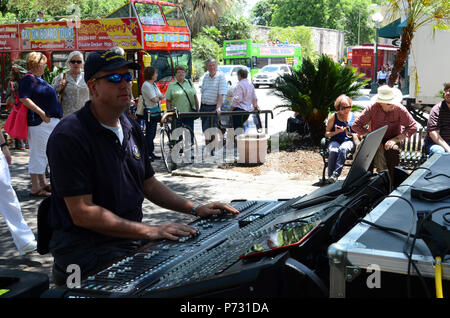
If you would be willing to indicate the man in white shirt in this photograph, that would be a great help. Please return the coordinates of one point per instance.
(213, 90)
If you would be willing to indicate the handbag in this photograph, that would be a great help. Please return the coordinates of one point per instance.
(190, 104)
(140, 106)
(16, 125)
(60, 94)
(150, 112)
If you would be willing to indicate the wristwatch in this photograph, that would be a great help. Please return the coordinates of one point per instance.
(194, 209)
(3, 145)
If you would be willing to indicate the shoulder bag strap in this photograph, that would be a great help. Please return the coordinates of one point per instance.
(64, 86)
(190, 104)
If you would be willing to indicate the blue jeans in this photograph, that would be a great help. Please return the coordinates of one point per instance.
(239, 120)
(150, 133)
(337, 156)
(208, 121)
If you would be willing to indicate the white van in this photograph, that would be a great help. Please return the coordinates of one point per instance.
(269, 73)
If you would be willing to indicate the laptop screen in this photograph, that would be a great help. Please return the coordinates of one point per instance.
(359, 168)
(365, 155)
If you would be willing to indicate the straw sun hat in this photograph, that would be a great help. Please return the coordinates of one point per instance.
(388, 95)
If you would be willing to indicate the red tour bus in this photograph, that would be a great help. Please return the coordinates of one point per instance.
(362, 57)
(152, 33)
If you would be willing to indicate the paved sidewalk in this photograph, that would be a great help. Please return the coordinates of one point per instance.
(200, 183)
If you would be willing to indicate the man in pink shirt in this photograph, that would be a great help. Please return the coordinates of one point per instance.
(387, 110)
(244, 97)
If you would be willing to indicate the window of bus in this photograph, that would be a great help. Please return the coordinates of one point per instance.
(278, 60)
(123, 12)
(241, 61)
(133, 56)
(161, 60)
(260, 62)
(174, 16)
(149, 14)
(59, 59)
(183, 58)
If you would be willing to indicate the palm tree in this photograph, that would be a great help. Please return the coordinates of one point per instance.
(312, 90)
(418, 13)
(201, 13)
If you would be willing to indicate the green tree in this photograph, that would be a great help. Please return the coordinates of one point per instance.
(312, 90)
(262, 12)
(353, 16)
(418, 13)
(298, 34)
(201, 13)
(233, 27)
(304, 12)
(27, 10)
(203, 47)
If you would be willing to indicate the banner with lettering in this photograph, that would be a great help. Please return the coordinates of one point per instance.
(47, 36)
(103, 34)
(9, 38)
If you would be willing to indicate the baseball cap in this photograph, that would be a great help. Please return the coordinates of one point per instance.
(105, 61)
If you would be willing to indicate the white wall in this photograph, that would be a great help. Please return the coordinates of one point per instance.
(326, 41)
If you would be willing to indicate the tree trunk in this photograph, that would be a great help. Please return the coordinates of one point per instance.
(402, 54)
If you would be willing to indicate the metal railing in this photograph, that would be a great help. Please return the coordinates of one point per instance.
(214, 115)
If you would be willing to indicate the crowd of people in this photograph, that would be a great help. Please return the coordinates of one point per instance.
(100, 160)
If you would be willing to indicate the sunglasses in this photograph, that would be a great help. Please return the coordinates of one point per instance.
(116, 78)
(75, 62)
(346, 107)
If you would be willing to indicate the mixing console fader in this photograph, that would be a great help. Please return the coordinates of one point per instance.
(166, 263)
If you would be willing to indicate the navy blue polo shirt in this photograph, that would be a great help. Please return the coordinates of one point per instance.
(86, 158)
(42, 94)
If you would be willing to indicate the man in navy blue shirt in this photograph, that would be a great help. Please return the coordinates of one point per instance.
(100, 175)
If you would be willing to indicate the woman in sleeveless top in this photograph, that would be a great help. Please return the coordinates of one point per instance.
(152, 101)
(339, 130)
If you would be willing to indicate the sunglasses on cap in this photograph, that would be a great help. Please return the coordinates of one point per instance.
(76, 62)
(116, 78)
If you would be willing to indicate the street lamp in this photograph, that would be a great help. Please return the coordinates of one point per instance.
(377, 18)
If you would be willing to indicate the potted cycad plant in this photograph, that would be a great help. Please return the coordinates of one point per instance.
(312, 90)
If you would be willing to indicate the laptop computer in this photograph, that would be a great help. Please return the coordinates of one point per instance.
(357, 172)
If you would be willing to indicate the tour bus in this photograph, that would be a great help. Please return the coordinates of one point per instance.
(152, 33)
(257, 55)
(362, 58)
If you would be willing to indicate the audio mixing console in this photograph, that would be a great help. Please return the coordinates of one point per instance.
(226, 243)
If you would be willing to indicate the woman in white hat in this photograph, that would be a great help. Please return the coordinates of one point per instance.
(387, 109)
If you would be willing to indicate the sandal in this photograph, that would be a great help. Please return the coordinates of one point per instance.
(47, 188)
(41, 193)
